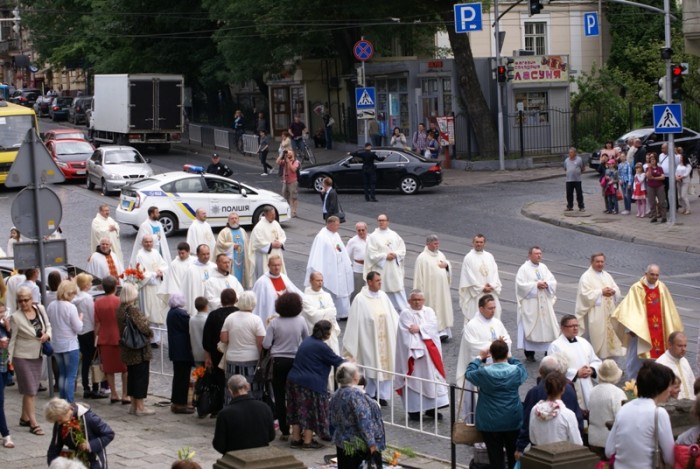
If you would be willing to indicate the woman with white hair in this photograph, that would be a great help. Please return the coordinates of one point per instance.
(137, 361)
(180, 353)
(79, 429)
(604, 403)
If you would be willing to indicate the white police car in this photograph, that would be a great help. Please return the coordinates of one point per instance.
(178, 194)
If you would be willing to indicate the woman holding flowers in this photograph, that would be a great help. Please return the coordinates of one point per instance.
(80, 430)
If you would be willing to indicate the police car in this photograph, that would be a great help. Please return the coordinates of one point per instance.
(178, 194)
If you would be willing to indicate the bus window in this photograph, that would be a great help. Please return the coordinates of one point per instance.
(13, 129)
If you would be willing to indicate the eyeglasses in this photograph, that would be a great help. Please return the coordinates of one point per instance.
(23, 300)
(571, 325)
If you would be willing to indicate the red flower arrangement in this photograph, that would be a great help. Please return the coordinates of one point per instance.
(74, 431)
(133, 275)
(198, 372)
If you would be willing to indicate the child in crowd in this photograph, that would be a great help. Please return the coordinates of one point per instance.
(197, 329)
(610, 182)
(624, 171)
(640, 190)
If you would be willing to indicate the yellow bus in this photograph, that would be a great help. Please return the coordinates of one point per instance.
(15, 120)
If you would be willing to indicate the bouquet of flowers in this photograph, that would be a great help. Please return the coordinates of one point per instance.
(630, 389)
(133, 275)
(74, 431)
(198, 372)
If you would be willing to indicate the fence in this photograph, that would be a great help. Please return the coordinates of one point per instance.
(221, 138)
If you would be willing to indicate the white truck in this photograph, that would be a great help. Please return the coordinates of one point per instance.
(138, 109)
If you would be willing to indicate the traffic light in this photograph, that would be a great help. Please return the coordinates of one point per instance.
(508, 63)
(676, 82)
(501, 74)
(662, 88)
(535, 6)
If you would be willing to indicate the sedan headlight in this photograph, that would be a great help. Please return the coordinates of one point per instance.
(115, 177)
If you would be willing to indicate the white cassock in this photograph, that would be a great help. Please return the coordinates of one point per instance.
(218, 282)
(477, 335)
(99, 266)
(681, 368)
(579, 353)
(267, 289)
(160, 241)
(370, 338)
(152, 306)
(261, 238)
(590, 302)
(318, 305)
(329, 257)
(356, 252)
(234, 243)
(193, 283)
(100, 228)
(379, 244)
(199, 233)
(478, 269)
(424, 352)
(434, 282)
(537, 324)
(175, 277)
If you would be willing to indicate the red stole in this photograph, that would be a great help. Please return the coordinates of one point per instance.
(434, 356)
(278, 283)
(655, 321)
(110, 265)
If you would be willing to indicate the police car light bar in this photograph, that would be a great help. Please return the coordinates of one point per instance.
(193, 169)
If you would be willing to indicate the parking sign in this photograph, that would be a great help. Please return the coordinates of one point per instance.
(467, 17)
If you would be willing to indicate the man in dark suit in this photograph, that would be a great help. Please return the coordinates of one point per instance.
(245, 423)
(640, 156)
(330, 199)
(369, 170)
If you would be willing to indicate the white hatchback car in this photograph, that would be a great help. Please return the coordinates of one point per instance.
(178, 194)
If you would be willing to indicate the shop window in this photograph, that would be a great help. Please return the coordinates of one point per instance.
(535, 108)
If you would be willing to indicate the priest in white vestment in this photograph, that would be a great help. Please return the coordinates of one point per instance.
(104, 261)
(200, 231)
(583, 362)
(357, 246)
(386, 253)
(270, 286)
(104, 226)
(317, 305)
(535, 293)
(329, 257)
(153, 227)
(596, 298)
(219, 280)
(198, 273)
(177, 271)
(479, 277)
(370, 337)
(233, 241)
(419, 354)
(267, 239)
(674, 358)
(153, 266)
(432, 275)
(477, 335)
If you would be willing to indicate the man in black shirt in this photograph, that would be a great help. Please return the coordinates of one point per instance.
(296, 131)
(369, 170)
(217, 167)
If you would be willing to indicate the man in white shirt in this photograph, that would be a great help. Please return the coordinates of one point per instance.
(479, 277)
(220, 279)
(357, 246)
(270, 286)
(177, 271)
(153, 227)
(200, 231)
(535, 292)
(104, 261)
(674, 358)
(583, 362)
(267, 239)
(153, 267)
(432, 275)
(329, 257)
(105, 226)
(386, 253)
(196, 276)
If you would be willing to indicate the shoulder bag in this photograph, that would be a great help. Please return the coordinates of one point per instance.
(46, 347)
(464, 433)
(132, 337)
(341, 213)
(96, 371)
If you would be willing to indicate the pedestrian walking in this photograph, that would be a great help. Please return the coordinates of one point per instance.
(263, 149)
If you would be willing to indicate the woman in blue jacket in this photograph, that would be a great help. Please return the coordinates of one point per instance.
(499, 412)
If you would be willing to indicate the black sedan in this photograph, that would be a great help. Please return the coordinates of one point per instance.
(688, 139)
(401, 169)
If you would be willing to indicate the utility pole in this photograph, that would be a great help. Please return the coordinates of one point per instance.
(499, 88)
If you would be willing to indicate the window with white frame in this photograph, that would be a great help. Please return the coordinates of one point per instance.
(536, 37)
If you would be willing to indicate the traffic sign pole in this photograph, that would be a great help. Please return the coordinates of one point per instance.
(499, 99)
(671, 147)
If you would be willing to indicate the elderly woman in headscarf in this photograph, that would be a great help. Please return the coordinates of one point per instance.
(180, 353)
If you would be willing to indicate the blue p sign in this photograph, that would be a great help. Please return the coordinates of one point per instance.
(590, 24)
(467, 17)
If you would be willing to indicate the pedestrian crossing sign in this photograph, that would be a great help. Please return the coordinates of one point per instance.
(365, 98)
(668, 118)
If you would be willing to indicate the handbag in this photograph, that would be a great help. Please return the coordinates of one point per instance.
(132, 337)
(371, 461)
(427, 153)
(464, 433)
(686, 457)
(619, 195)
(208, 396)
(656, 462)
(46, 347)
(96, 371)
(609, 464)
(341, 213)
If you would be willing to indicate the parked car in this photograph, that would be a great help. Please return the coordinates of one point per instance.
(67, 271)
(114, 166)
(61, 134)
(26, 97)
(71, 156)
(401, 169)
(689, 140)
(59, 107)
(178, 194)
(77, 111)
(42, 105)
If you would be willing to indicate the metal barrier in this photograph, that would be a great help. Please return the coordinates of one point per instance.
(250, 144)
(195, 132)
(221, 139)
(161, 351)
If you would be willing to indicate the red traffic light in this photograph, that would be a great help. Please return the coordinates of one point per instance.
(676, 70)
(501, 70)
